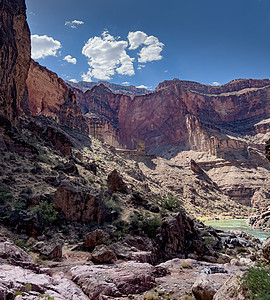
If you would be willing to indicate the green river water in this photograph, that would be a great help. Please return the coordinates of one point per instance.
(237, 224)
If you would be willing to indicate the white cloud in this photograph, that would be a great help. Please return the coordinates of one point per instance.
(151, 51)
(166, 71)
(142, 87)
(70, 59)
(136, 39)
(126, 83)
(74, 23)
(107, 56)
(43, 46)
(215, 83)
(73, 80)
(140, 67)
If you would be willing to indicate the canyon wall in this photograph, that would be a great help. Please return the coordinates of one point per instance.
(14, 57)
(186, 113)
(49, 96)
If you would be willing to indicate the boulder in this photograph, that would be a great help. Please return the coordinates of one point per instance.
(115, 280)
(204, 288)
(231, 290)
(103, 254)
(95, 238)
(52, 250)
(266, 249)
(79, 204)
(116, 183)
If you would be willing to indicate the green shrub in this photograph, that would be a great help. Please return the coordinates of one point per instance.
(20, 243)
(44, 159)
(112, 203)
(209, 241)
(257, 281)
(170, 203)
(122, 227)
(5, 195)
(148, 225)
(46, 213)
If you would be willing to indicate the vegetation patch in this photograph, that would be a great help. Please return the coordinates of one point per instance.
(257, 282)
(47, 214)
(5, 196)
(170, 203)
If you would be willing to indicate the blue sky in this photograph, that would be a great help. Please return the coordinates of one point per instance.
(143, 42)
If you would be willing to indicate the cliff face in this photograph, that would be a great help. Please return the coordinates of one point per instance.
(189, 114)
(14, 57)
(49, 96)
(100, 107)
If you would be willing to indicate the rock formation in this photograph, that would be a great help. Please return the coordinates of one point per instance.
(49, 96)
(14, 57)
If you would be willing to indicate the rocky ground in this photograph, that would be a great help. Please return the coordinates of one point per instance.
(78, 276)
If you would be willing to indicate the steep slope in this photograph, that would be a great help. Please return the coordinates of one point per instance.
(14, 57)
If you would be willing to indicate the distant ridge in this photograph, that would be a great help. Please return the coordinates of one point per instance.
(130, 90)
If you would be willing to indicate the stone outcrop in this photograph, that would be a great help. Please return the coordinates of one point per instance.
(49, 96)
(116, 281)
(78, 204)
(16, 279)
(14, 57)
(177, 237)
(95, 238)
(116, 183)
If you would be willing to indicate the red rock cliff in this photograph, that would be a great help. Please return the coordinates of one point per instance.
(14, 57)
(49, 96)
(185, 113)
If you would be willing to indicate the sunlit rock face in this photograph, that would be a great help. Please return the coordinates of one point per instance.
(49, 96)
(14, 57)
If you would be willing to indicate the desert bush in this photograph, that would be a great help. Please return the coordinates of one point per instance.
(209, 241)
(148, 225)
(44, 159)
(112, 203)
(170, 203)
(186, 265)
(46, 213)
(151, 296)
(257, 282)
(122, 227)
(5, 196)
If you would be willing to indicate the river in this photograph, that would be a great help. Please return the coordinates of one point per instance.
(237, 224)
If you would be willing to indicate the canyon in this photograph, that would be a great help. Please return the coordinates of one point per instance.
(82, 219)
(223, 128)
